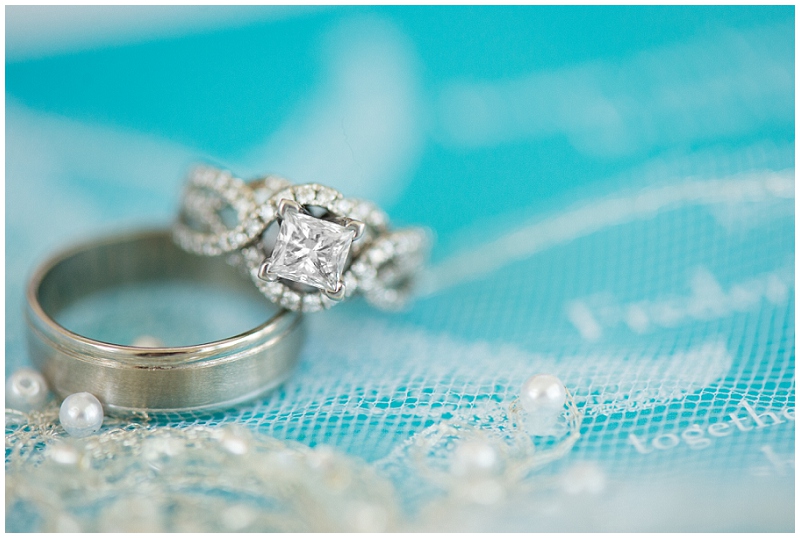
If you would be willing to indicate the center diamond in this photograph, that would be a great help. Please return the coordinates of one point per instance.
(311, 251)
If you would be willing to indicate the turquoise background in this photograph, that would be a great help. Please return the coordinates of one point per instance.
(220, 92)
(500, 119)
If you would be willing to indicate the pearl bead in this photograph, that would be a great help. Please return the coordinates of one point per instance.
(81, 414)
(26, 390)
(474, 458)
(543, 393)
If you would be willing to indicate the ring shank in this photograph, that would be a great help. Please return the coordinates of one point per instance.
(169, 379)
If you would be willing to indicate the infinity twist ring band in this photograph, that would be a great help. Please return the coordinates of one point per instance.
(152, 379)
(326, 247)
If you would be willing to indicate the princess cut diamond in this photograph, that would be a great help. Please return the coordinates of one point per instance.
(310, 251)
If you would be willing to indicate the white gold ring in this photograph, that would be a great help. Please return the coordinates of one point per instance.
(324, 247)
(130, 378)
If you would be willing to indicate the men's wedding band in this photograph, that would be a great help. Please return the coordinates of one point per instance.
(327, 247)
(153, 379)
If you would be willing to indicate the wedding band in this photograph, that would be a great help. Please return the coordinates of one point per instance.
(153, 379)
(327, 248)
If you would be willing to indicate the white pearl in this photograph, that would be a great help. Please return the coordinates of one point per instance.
(475, 458)
(26, 390)
(543, 393)
(81, 414)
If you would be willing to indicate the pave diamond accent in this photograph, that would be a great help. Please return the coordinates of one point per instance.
(311, 251)
(383, 263)
(207, 192)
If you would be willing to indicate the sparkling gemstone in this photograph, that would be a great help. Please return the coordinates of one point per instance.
(310, 250)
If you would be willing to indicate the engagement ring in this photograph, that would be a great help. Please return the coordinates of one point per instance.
(322, 248)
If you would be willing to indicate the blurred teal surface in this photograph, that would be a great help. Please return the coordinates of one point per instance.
(221, 92)
(566, 126)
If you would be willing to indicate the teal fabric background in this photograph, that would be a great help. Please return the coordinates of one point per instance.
(611, 190)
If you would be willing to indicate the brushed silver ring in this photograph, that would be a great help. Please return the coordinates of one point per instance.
(161, 379)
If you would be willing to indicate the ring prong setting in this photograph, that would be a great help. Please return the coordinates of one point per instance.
(286, 205)
(336, 294)
(356, 225)
(264, 273)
